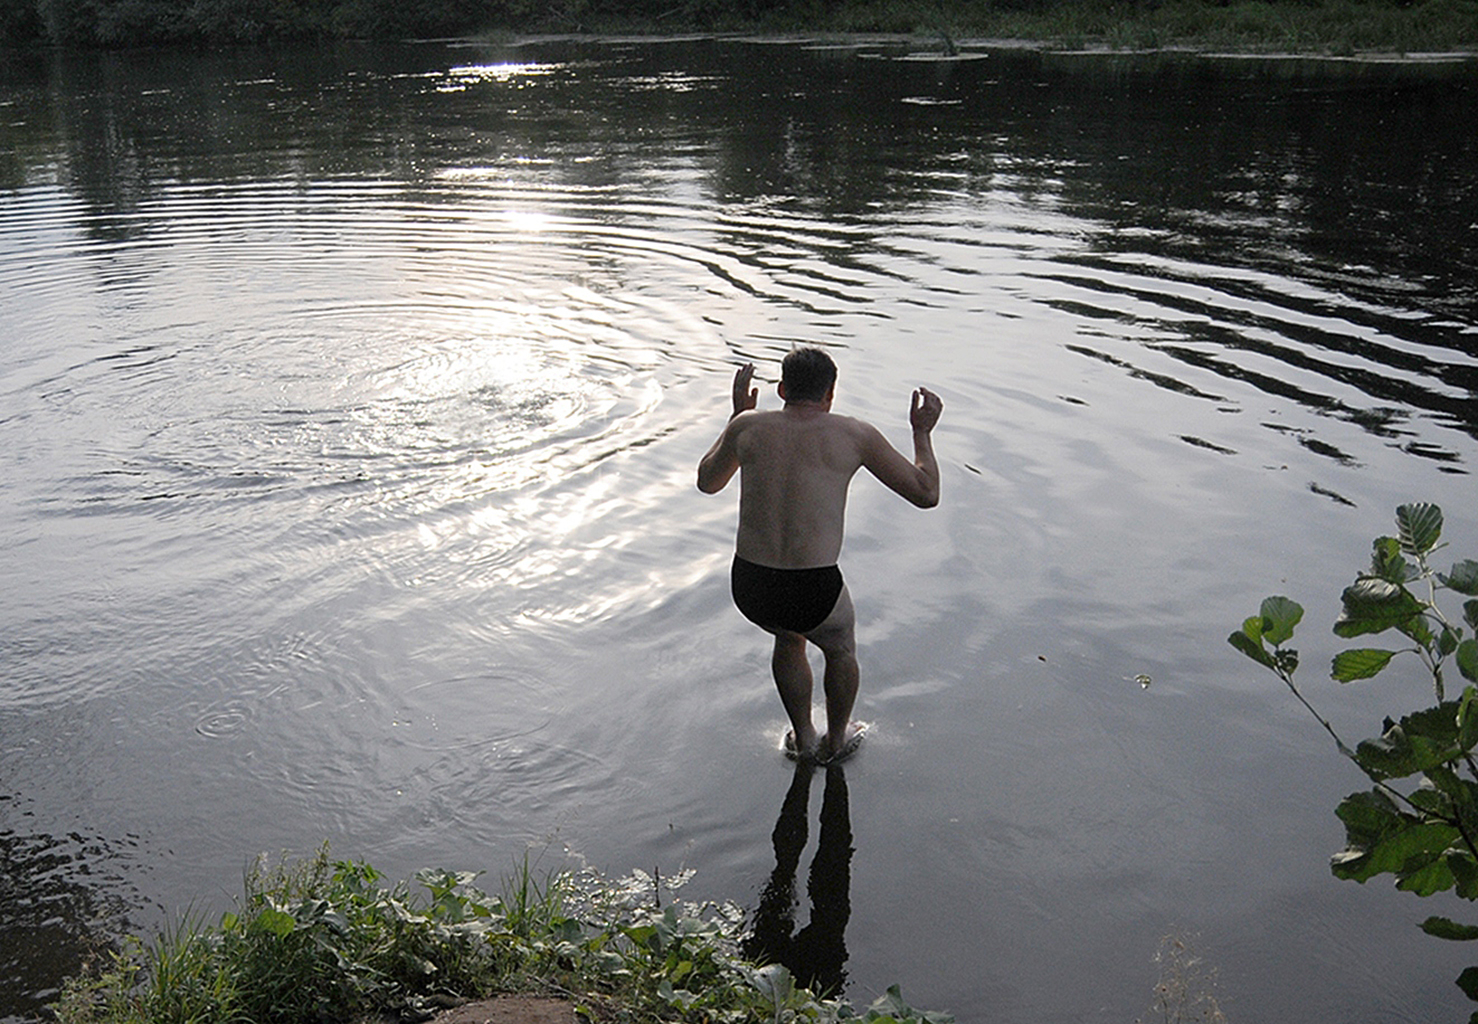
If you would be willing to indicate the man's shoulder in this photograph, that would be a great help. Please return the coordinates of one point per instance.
(754, 426)
(855, 426)
(853, 422)
(752, 418)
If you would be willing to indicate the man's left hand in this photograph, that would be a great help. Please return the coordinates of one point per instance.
(745, 397)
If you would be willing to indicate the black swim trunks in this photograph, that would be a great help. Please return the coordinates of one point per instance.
(797, 600)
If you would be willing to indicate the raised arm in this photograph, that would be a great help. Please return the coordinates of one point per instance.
(721, 462)
(918, 481)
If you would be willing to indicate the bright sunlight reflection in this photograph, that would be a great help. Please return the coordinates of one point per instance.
(460, 78)
(527, 221)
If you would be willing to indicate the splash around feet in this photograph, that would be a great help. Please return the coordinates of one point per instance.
(821, 752)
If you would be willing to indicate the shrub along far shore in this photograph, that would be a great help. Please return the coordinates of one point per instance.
(1337, 27)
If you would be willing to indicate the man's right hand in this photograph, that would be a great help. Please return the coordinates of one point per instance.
(745, 397)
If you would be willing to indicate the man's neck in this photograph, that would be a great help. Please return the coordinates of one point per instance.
(807, 406)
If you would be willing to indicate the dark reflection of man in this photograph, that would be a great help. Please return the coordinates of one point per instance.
(815, 955)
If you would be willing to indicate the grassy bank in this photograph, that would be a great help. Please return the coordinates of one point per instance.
(1294, 26)
(327, 941)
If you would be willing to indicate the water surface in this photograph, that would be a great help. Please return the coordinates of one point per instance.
(350, 404)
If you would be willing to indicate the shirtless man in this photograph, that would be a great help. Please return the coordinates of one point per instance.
(794, 468)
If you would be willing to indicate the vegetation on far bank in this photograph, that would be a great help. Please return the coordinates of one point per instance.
(1298, 26)
(326, 941)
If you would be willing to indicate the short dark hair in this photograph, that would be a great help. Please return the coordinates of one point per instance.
(808, 374)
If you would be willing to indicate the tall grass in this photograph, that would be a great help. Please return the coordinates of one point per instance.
(324, 940)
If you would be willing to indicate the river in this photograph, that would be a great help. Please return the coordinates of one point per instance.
(350, 404)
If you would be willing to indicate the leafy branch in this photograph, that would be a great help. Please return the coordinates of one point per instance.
(1427, 835)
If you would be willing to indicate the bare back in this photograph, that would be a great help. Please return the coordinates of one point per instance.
(794, 469)
(794, 466)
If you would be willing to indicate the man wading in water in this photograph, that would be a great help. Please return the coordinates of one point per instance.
(794, 467)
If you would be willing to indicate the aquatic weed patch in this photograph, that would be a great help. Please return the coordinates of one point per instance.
(324, 940)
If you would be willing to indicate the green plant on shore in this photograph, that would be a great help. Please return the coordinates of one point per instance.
(1425, 832)
(322, 940)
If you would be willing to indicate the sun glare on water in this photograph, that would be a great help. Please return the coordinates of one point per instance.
(467, 75)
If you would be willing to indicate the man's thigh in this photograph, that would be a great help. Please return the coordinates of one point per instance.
(838, 633)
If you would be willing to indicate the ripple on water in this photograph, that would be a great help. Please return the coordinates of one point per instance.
(520, 786)
(255, 679)
(486, 710)
(217, 722)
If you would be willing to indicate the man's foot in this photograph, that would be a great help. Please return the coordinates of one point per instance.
(851, 740)
(808, 752)
(820, 751)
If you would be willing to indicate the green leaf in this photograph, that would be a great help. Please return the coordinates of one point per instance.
(1252, 626)
(644, 936)
(1442, 928)
(891, 1007)
(274, 922)
(1279, 616)
(1433, 802)
(890, 1002)
(1420, 527)
(1373, 606)
(1465, 871)
(1362, 663)
(1470, 614)
(1425, 876)
(1386, 562)
(1419, 742)
(775, 983)
(1468, 982)
(1417, 628)
(1250, 647)
(1467, 660)
(1448, 641)
(1463, 578)
(1467, 719)
(1286, 661)
(1412, 850)
(1457, 789)
(1368, 815)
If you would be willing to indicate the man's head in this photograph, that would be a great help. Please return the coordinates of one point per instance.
(807, 375)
